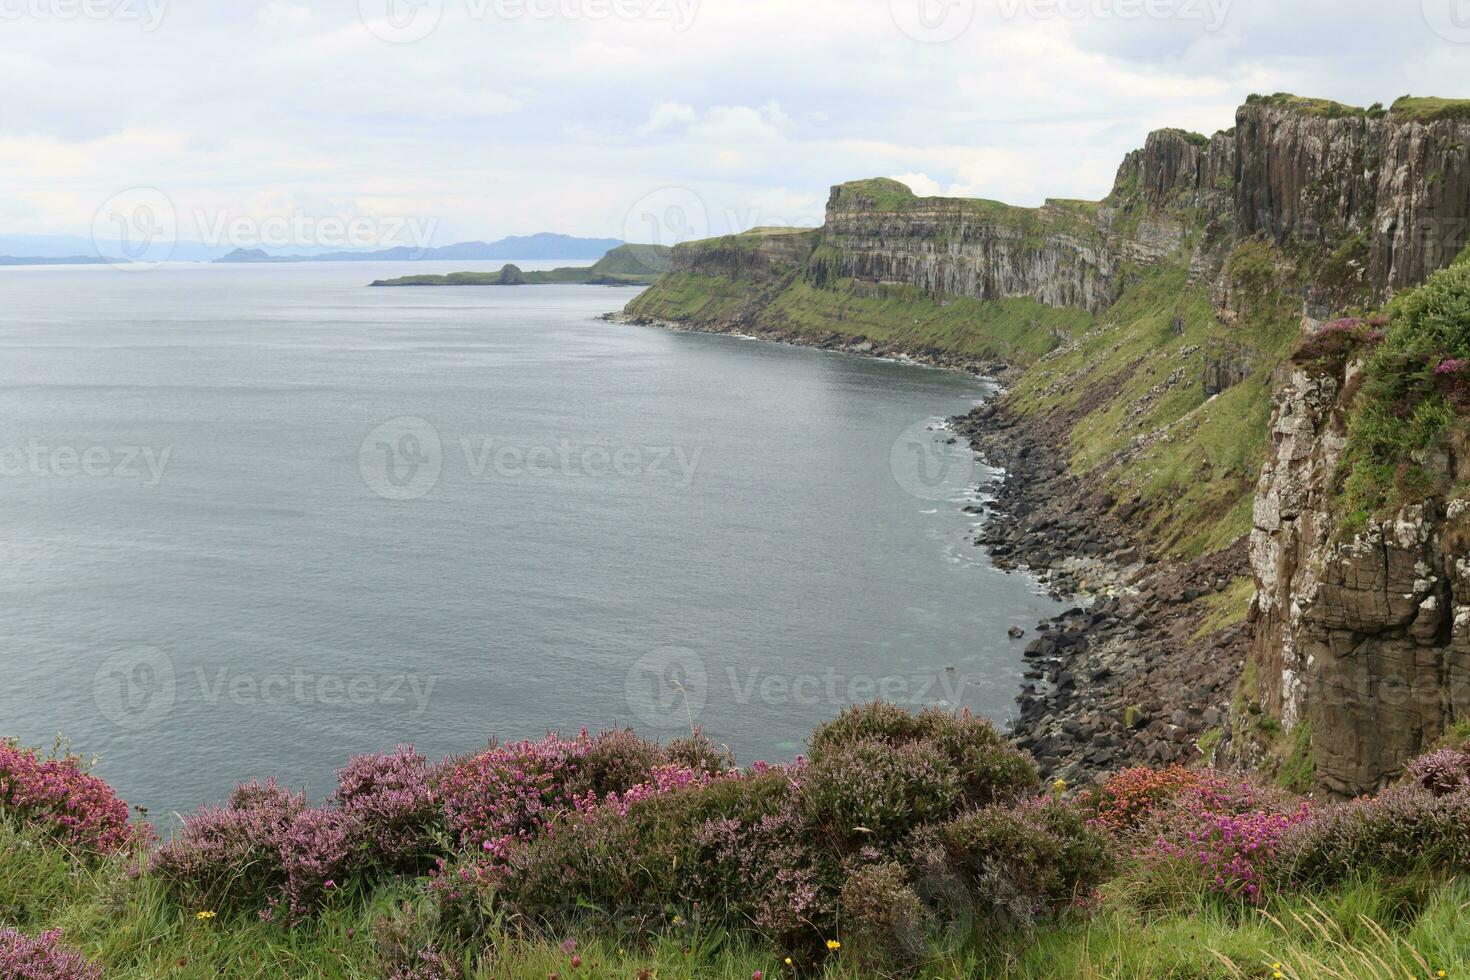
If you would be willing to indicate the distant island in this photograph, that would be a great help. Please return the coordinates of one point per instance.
(544, 245)
(626, 265)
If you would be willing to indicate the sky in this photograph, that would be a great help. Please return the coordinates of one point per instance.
(354, 123)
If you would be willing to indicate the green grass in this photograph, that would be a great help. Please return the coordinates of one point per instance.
(1400, 416)
(1140, 371)
(1062, 216)
(1222, 610)
(1016, 329)
(1325, 108)
(1366, 929)
(1429, 109)
(685, 297)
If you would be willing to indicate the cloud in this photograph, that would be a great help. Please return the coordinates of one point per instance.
(497, 125)
(921, 184)
(666, 115)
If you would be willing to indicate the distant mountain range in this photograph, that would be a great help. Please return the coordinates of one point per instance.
(75, 250)
(58, 260)
(545, 245)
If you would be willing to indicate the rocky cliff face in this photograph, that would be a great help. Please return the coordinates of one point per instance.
(980, 250)
(1393, 191)
(1367, 202)
(1366, 639)
(760, 254)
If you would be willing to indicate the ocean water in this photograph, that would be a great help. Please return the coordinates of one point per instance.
(256, 519)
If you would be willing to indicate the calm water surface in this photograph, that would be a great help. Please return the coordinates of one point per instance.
(258, 518)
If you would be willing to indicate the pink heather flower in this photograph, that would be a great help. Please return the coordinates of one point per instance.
(329, 883)
(1450, 365)
(1228, 836)
(511, 792)
(42, 957)
(59, 796)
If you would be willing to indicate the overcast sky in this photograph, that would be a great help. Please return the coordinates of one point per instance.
(641, 119)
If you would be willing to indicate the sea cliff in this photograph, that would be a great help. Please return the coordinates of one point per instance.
(1147, 340)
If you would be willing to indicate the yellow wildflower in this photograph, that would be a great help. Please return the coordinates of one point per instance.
(788, 961)
(833, 944)
(1060, 785)
(204, 916)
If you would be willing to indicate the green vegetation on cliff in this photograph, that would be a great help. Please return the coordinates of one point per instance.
(1018, 330)
(1408, 415)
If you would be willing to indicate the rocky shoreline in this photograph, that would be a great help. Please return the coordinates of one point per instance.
(934, 357)
(1120, 678)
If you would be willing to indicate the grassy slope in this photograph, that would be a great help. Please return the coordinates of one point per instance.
(1017, 329)
(1365, 930)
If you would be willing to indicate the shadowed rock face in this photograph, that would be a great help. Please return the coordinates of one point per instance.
(1367, 640)
(1403, 184)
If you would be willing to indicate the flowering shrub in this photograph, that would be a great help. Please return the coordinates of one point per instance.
(990, 770)
(665, 779)
(883, 921)
(1128, 799)
(320, 850)
(1330, 348)
(737, 849)
(58, 795)
(42, 957)
(1225, 835)
(395, 801)
(230, 857)
(614, 761)
(1400, 830)
(512, 792)
(1014, 863)
(698, 753)
(872, 792)
(1442, 772)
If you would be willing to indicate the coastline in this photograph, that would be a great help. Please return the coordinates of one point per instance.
(1121, 678)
